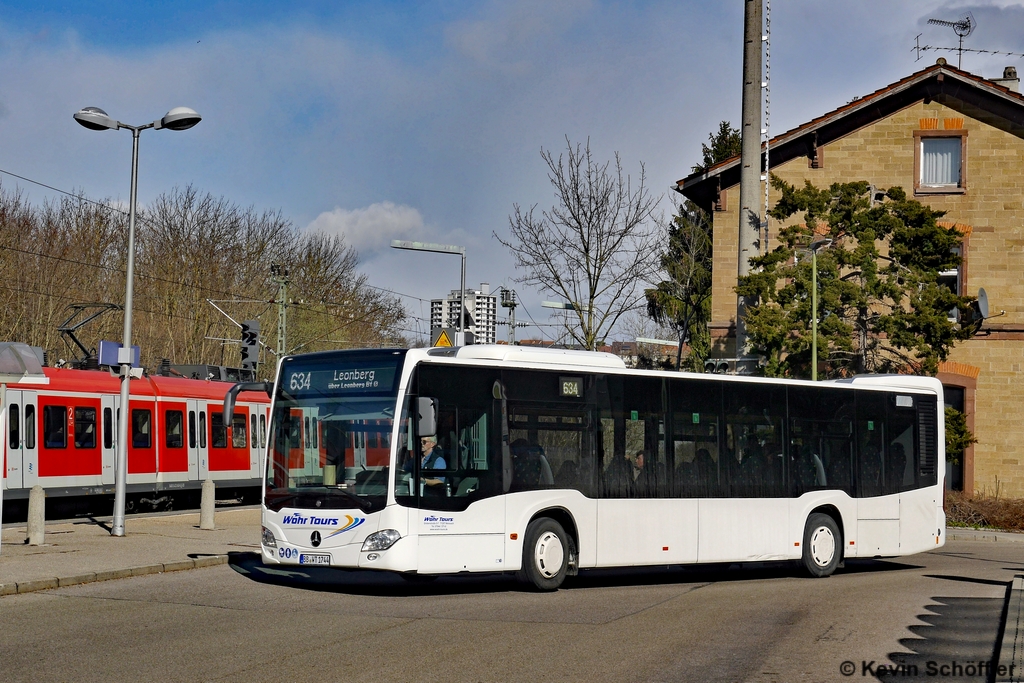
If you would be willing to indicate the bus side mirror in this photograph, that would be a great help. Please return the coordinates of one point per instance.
(232, 395)
(426, 422)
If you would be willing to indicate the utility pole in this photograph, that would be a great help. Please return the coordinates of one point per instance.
(279, 274)
(750, 169)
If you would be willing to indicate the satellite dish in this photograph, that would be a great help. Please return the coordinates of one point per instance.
(982, 303)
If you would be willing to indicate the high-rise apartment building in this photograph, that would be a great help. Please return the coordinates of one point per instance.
(482, 309)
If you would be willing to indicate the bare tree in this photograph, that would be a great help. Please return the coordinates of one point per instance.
(191, 247)
(595, 248)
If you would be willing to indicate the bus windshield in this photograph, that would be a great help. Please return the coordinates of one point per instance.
(330, 441)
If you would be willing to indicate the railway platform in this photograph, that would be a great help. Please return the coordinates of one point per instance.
(83, 551)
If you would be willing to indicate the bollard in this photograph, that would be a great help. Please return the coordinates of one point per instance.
(36, 515)
(207, 505)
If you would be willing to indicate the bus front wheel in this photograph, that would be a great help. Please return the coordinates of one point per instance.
(823, 545)
(546, 553)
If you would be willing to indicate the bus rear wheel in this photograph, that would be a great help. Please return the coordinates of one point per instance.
(823, 545)
(546, 554)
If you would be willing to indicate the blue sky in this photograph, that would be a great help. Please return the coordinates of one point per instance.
(425, 120)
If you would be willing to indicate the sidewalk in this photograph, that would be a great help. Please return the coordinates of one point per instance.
(83, 551)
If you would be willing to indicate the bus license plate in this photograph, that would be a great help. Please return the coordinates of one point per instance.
(314, 559)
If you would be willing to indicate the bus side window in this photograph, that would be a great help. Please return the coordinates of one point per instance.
(871, 438)
(753, 464)
(694, 452)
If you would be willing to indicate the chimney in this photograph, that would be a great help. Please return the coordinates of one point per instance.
(1009, 79)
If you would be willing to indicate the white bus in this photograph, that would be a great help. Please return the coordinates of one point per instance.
(545, 462)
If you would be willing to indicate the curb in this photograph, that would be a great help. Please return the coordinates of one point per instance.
(1011, 650)
(988, 536)
(34, 585)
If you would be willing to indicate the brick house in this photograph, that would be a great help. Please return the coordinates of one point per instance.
(954, 141)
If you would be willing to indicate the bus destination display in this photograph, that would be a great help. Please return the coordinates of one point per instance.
(344, 379)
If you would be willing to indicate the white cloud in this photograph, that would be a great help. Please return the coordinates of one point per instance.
(372, 227)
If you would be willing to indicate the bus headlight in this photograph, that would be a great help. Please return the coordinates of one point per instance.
(268, 538)
(381, 540)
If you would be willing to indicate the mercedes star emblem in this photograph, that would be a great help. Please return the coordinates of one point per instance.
(314, 538)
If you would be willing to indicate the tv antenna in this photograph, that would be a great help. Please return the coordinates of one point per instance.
(962, 27)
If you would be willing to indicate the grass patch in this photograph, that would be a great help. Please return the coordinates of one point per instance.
(984, 512)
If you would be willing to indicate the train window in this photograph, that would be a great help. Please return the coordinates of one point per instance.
(14, 420)
(314, 431)
(263, 431)
(85, 428)
(238, 431)
(191, 429)
(173, 427)
(253, 438)
(202, 429)
(30, 426)
(305, 432)
(108, 428)
(218, 435)
(142, 428)
(55, 421)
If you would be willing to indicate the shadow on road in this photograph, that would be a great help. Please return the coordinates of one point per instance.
(369, 582)
(959, 640)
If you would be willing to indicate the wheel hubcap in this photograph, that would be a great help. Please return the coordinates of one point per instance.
(549, 554)
(823, 546)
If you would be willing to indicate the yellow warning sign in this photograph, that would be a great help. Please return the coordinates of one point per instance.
(443, 339)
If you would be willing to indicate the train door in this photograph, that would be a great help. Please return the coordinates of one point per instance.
(311, 440)
(202, 433)
(108, 447)
(22, 451)
(193, 439)
(358, 444)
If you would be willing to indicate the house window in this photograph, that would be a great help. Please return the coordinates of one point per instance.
(939, 157)
(952, 280)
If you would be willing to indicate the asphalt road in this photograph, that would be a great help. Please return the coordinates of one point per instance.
(243, 622)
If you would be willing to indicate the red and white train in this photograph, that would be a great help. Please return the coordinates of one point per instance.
(62, 435)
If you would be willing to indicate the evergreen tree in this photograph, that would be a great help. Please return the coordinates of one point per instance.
(880, 305)
(682, 302)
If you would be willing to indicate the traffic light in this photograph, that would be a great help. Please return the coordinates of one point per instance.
(718, 366)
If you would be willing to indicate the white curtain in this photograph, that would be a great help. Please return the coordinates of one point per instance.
(940, 161)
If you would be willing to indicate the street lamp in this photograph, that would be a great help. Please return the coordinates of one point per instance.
(460, 338)
(822, 243)
(94, 118)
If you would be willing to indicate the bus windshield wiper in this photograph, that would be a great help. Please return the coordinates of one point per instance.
(364, 505)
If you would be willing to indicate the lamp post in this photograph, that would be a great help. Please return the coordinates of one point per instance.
(815, 246)
(94, 118)
(460, 339)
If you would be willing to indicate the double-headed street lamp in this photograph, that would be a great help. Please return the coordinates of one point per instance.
(822, 243)
(94, 118)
